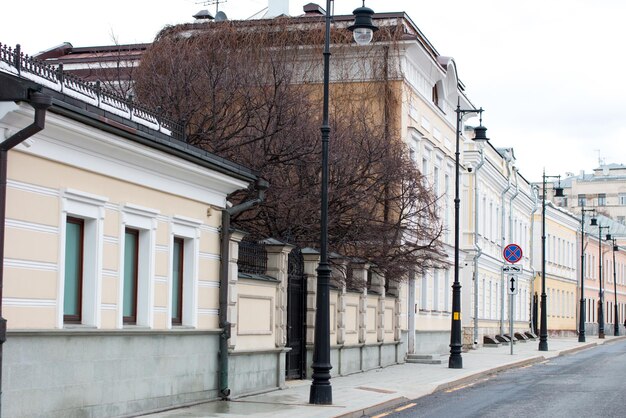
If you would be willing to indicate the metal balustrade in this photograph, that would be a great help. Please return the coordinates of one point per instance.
(56, 78)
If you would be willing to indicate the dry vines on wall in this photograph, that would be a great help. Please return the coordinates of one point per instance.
(252, 93)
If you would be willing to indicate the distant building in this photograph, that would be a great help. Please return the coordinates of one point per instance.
(603, 189)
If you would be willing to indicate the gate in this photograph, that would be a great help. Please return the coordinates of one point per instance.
(296, 317)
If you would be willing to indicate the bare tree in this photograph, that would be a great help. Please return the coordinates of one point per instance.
(254, 96)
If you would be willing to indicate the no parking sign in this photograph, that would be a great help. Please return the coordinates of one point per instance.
(512, 253)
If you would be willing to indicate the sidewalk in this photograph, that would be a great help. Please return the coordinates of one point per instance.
(365, 393)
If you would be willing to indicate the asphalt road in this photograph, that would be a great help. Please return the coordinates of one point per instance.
(590, 383)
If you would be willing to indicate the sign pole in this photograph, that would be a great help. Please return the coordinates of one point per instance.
(512, 311)
(512, 253)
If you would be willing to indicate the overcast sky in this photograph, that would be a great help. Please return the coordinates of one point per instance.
(547, 72)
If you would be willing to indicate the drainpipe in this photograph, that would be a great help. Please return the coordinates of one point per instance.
(261, 186)
(477, 248)
(513, 196)
(532, 254)
(507, 158)
(411, 312)
(40, 102)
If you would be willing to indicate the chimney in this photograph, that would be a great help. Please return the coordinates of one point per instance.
(277, 8)
(203, 15)
(313, 9)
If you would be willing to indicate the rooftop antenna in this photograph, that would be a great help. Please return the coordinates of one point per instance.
(600, 159)
(210, 2)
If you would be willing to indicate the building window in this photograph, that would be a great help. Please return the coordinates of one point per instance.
(446, 293)
(446, 185)
(436, 181)
(81, 254)
(582, 200)
(435, 95)
(177, 280)
(436, 290)
(73, 289)
(131, 268)
(601, 199)
(621, 219)
(424, 295)
(622, 199)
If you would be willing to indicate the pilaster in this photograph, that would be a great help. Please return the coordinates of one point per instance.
(278, 268)
(233, 276)
(394, 290)
(311, 261)
(339, 272)
(359, 274)
(377, 285)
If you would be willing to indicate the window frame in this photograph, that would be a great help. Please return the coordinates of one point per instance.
(144, 220)
(76, 319)
(91, 209)
(131, 319)
(177, 317)
(188, 229)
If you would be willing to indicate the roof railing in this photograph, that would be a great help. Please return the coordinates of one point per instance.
(56, 78)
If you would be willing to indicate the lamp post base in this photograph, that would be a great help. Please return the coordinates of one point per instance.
(455, 361)
(581, 324)
(600, 319)
(321, 394)
(543, 332)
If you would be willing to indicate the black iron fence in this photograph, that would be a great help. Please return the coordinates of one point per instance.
(252, 257)
(63, 81)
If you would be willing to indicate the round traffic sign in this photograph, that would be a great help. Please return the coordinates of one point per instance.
(512, 253)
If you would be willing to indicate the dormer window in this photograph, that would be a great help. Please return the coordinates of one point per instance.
(435, 96)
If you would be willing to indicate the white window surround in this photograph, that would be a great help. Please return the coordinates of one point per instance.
(90, 208)
(189, 230)
(144, 220)
(436, 290)
(424, 292)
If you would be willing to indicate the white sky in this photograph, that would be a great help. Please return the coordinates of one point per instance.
(547, 72)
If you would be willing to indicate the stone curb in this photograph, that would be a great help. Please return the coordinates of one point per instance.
(614, 339)
(488, 372)
(368, 411)
(576, 349)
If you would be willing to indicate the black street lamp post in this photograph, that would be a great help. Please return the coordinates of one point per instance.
(456, 340)
(600, 280)
(616, 320)
(543, 330)
(321, 389)
(583, 311)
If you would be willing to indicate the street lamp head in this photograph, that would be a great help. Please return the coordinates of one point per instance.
(480, 134)
(558, 191)
(363, 28)
(615, 248)
(608, 237)
(594, 222)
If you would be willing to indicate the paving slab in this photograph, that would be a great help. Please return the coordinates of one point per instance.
(363, 394)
